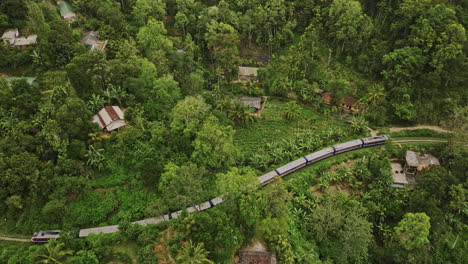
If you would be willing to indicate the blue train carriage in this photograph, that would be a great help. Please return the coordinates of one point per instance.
(267, 178)
(320, 155)
(347, 146)
(45, 236)
(373, 141)
(292, 166)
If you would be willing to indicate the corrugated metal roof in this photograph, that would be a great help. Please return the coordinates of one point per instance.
(110, 118)
(255, 102)
(248, 71)
(412, 158)
(65, 8)
(10, 33)
(398, 174)
(25, 41)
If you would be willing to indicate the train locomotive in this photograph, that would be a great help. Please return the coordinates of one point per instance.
(44, 236)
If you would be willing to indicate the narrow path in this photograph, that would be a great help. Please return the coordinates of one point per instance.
(436, 128)
(396, 129)
(12, 239)
(420, 140)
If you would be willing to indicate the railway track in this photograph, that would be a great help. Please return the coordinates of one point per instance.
(199, 207)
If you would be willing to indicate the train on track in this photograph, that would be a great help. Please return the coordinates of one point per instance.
(44, 236)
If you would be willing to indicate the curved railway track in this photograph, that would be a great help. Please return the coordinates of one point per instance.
(264, 179)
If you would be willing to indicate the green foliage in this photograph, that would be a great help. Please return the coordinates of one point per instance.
(213, 145)
(193, 254)
(341, 229)
(413, 230)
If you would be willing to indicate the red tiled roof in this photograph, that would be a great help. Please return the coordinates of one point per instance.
(326, 98)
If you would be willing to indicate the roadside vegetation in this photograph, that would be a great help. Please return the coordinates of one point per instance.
(327, 70)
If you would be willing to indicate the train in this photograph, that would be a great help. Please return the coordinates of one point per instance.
(44, 236)
(322, 154)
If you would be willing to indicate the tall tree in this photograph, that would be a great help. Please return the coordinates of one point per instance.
(214, 145)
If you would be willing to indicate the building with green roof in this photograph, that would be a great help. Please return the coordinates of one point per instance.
(66, 11)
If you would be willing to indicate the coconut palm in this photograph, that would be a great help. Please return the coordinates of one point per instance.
(54, 253)
(193, 254)
(239, 114)
(374, 97)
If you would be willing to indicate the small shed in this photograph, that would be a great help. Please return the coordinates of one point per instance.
(10, 35)
(351, 103)
(246, 73)
(91, 40)
(26, 41)
(415, 163)
(110, 118)
(398, 175)
(254, 102)
(66, 11)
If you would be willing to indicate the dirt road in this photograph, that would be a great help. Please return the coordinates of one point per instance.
(12, 239)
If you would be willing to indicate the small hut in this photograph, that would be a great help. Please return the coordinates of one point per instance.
(12, 37)
(398, 175)
(66, 11)
(415, 163)
(91, 40)
(110, 118)
(247, 73)
(351, 104)
(253, 102)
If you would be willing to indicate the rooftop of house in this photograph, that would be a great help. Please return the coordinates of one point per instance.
(254, 102)
(90, 38)
(24, 41)
(398, 174)
(65, 8)
(110, 118)
(420, 161)
(11, 33)
(348, 100)
(248, 71)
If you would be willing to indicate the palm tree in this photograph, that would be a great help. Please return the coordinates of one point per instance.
(374, 97)
(239, 114)
(193, 254)
(358, 124)
(292, 111)
(54, 253)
